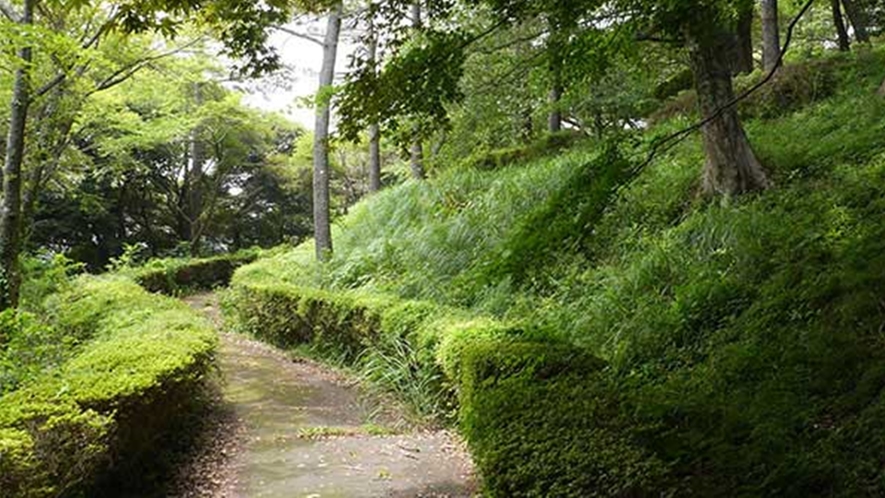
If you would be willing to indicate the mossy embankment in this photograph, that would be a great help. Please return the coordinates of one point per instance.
(607, 332)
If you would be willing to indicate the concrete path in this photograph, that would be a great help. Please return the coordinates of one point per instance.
(302, 431)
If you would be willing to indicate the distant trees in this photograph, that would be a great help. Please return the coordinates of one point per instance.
(131, 175)
(416, 149)
(56, 44)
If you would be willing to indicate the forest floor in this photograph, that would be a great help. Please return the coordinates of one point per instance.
(292, 428)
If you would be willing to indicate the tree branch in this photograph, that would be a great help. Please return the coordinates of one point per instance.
(127, 71)
(296, 34)
(88, 43)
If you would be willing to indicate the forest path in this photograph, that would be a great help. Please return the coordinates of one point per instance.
(301, 430)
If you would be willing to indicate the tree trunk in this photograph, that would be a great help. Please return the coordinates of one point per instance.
(771, 44)
(416, 159)
(374, 158)
(742, 51)
(197, 153)
(858, 20)
(321, 215)
(374, 130)
(841, 31)
(554, 119)
(731, 167)
(10, 214)
(416, 151)
(416, 156)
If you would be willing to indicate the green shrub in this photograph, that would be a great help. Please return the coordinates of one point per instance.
(403, 346)
(46, 274)
(181, 276)
(100, 420)
(548, 145)
(29, 346)
(542, 420)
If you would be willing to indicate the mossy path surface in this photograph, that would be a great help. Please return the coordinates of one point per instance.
(304, 431)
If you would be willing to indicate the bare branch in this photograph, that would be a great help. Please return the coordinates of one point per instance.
(298, 35)
(88, 43)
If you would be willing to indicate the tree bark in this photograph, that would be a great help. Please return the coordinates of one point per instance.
(416, 156)
(374, 130)
(839, 22)
(374, 158)
(321, 215)
(10, 214)
(771, 44)
(858, 20)
(416, 159)
(731, 167)
(554, 119)
(197, 153)
(554, 96)
(742, 51)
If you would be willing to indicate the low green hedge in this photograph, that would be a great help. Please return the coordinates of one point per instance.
(180, 276)
(101, 420)
(543, 420)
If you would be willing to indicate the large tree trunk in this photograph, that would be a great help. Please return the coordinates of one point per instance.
(839, 22)
(197, 153)
(731, 167)
(416, 156)
(10, 214)
(374, 130)
(858, 20)
(771, 44)
(742, 51)
(321, 216)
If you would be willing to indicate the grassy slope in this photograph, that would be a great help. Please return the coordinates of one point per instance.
(743, 339)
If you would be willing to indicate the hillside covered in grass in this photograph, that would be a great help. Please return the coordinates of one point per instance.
(648, 341)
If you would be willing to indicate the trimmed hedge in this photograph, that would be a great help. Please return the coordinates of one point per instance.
(100, 419)
(180, 276)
